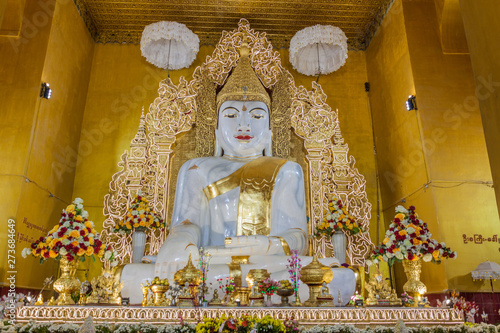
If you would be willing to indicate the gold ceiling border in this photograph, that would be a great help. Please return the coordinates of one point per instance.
(304, 316)
(148, 166)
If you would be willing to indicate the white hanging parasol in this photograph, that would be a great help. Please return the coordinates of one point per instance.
(487, 270)
(320, 49)
(169, 45)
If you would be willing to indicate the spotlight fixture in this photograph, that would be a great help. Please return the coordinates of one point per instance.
(45, 91)
(411, 103)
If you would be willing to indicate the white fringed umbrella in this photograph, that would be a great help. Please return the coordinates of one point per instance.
(169, 45)
(487, 270)
(320, 49)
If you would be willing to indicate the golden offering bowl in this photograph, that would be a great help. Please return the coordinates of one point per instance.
(314, 275)
(159, 290)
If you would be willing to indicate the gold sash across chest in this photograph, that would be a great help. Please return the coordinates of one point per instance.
(256, 180)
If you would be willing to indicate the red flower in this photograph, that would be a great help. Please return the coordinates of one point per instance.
(82, 232)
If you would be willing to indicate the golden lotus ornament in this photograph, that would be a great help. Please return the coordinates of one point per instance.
(414, 287)
(67, 282)
(314, 275)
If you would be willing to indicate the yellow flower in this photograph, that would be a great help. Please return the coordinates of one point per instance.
(402, 232)
(52, 254)
(129, 226)
(416, 241)
(74, 243)
(54, 229)
(48, 239)
(78, 218)
(88, 224)
(342, 216)
(435, 254)
(142, 224)
(74, 234)
(142, 216)
(91, 240)
(400, 216)
(136, 225)
(53, 243)
(350, 226)
(90, 251)
(70, 208)
(80, 252)
(101, 253)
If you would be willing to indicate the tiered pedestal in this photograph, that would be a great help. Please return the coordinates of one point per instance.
(305, 316)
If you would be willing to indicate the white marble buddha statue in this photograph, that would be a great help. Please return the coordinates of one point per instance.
(240, 202)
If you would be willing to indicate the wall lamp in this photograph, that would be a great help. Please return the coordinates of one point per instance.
(411, 103)
(45, 91)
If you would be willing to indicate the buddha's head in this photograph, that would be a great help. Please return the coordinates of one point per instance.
(243, 107)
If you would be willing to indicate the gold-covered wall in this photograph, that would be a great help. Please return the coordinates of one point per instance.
(482, 29)
(53, 47)
(434, 158)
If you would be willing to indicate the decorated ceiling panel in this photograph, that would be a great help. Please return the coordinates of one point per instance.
(122, 21)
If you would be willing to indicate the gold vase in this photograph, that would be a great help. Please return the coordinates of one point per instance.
(67, 282)
(414, 286)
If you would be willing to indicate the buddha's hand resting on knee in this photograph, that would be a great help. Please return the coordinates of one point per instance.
(249, 245)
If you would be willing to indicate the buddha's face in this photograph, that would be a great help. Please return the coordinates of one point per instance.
(243, 128)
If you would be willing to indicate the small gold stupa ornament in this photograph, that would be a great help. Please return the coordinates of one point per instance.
(314, 275)
(191, 277)
(188, 274)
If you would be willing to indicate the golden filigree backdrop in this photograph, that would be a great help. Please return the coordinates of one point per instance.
(122, 21)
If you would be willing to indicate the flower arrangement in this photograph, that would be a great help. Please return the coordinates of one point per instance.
(245, 324)
(204, 266)
(226, 285)
(294, 266)
(409, 238)
(356, 298)
(407, 299)
(139, 217)
(468, 308)
(73, 238)
(337, 219)
(268, 286)
(291, 325)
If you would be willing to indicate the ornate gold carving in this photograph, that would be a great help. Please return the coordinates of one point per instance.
(281, 119)
(206, 124)
(329, 169)
(106, 288)
(305, 316)
(122, 21)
